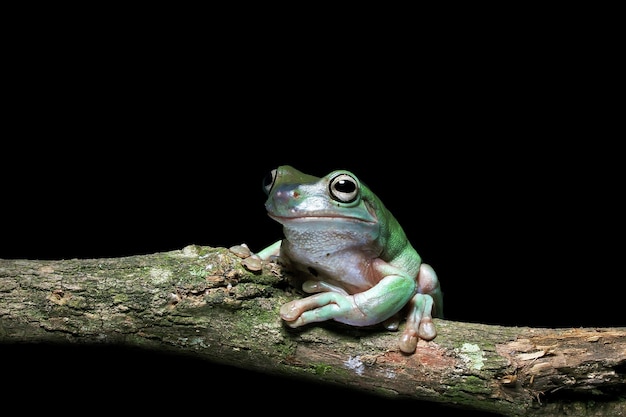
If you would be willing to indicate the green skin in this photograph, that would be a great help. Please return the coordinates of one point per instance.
(350, 252)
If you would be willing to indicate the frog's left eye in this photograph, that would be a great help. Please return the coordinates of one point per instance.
(344, 188)
(268, 181)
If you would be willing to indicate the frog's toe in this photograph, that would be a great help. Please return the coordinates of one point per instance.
(392, 323)
(408, 341)
(241, 251)
(427, 330)
(252, 263)
(293, 324)
(290, 311)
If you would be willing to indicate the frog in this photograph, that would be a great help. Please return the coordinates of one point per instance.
(349, 256)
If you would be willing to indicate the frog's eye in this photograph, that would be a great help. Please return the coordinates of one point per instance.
(344, 188)
(268, 181)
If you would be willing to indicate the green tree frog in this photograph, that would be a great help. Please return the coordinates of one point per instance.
(346, 249)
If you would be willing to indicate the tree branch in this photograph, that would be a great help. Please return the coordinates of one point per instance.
(202, 301)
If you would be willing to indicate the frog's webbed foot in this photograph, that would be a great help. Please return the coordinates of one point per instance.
(251, 261)
(419, 323)
(254, 261)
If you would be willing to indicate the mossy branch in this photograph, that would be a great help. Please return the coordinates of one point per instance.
(202, 301)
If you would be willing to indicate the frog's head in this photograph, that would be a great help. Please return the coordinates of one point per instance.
(329, 201)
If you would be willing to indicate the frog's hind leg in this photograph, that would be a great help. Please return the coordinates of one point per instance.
(419, 322)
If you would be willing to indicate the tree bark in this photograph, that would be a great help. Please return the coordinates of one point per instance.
(202, 301)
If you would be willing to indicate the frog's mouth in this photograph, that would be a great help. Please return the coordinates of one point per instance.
(330, 218)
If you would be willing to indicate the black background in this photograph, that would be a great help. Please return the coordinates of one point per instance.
(499, 162)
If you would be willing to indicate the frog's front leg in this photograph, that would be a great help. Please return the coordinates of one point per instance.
(271, 251)
(428, 302)
(362, 309)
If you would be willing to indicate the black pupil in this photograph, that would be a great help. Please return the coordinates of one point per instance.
(345, 186)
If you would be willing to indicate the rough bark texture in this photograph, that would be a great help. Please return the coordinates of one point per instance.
(202, 301)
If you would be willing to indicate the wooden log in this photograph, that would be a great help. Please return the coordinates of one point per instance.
(201, 301)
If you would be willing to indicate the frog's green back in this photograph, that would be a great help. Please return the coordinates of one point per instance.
(393, 239)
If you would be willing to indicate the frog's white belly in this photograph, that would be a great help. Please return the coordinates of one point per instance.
(341, 257)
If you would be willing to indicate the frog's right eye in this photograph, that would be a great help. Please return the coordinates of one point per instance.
(268, 181)
(344, 188)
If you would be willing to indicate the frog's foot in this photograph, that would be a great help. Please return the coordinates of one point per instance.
(319, 307)
(419, 323)
(254, 261)
(242, 251)
(249, 260)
